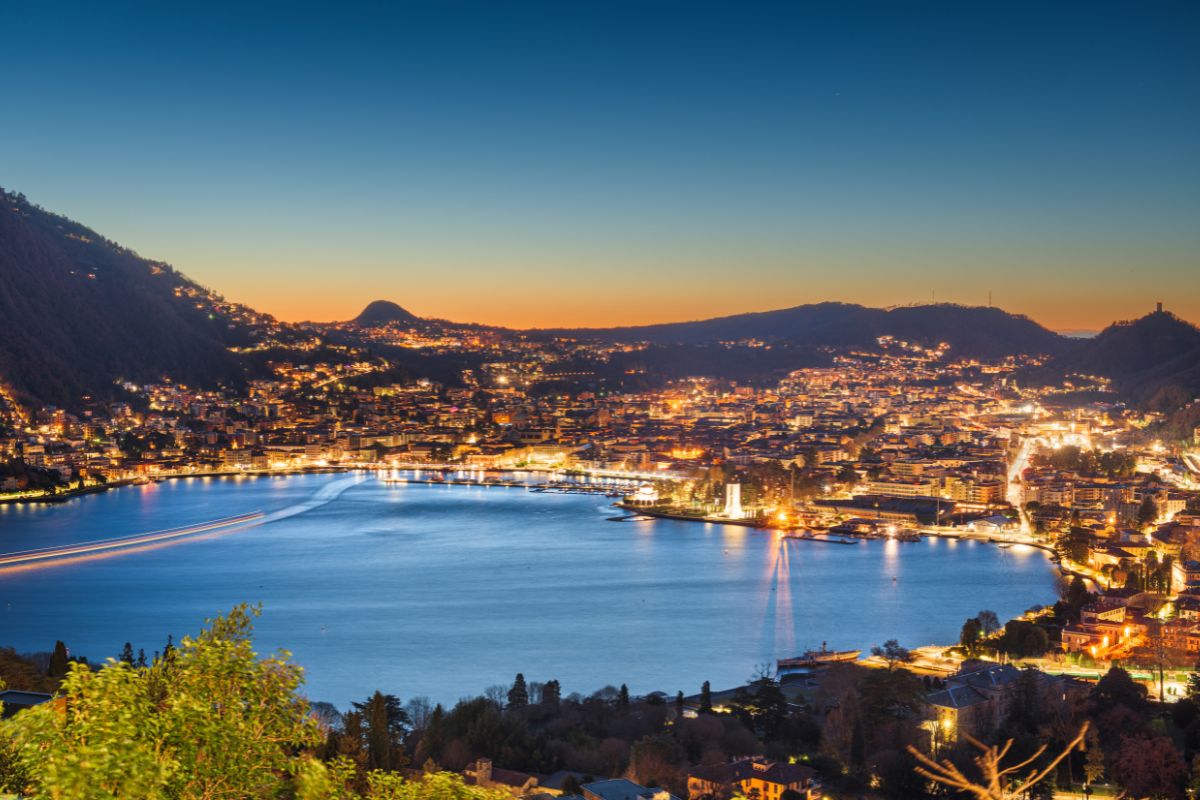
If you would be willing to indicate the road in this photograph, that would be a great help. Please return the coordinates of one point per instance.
(1018, 465)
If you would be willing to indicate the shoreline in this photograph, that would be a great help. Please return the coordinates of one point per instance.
(71, 494)
(761, 524)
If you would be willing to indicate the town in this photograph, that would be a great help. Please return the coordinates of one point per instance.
(898, 441)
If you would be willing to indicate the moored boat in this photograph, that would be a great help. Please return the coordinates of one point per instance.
(814, 658)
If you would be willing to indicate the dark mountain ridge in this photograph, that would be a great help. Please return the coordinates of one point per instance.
(383, 312)
(80, 312)
(975, 331)
(1153, 361)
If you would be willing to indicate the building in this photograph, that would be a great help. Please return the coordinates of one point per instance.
(13, 700)
(646, 495)
(753, 777)
(972, 702)
(623, 789)
(486, 776)
(733, 502)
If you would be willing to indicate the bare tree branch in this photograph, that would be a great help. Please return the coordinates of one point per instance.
(989, 763)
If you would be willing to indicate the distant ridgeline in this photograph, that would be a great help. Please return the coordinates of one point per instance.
(80, 312)
(82, 315)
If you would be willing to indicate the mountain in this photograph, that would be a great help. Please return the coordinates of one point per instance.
(80, 312)
(1153, 361)
(971, 331)
(383, 312)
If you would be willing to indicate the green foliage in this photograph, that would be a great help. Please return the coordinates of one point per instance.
(1022, 639)
(1089, 463)
(386, 723)
(213, 721)
(336, 780)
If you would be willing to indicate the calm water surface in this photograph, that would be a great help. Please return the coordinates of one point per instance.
(444, 591)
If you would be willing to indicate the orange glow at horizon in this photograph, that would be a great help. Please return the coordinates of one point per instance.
(573, 311)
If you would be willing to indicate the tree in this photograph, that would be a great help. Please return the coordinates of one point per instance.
(315, 780)
(989, 623)
(998, 781)
(970, 634)
(1117, 688)
(1093, 765)
(1150, 767)
(127, 654)
(59, 661)
(386, 723)
(213, 721)
(892, 654)
(1147, 512)
(623, 698)
(518, 695)
(706, 699)
(551, 694)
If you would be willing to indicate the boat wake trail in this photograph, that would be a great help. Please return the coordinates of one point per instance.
(53, 555)
(327, 494)
(122, 545)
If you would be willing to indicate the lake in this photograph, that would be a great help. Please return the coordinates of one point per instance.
(444, 590)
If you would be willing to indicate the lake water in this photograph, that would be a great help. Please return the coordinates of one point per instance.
(443, 590)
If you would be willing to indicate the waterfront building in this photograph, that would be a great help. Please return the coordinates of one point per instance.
(733, 502)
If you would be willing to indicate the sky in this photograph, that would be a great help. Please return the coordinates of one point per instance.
(609, 163)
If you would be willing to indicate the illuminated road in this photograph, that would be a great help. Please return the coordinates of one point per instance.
(1014, 481)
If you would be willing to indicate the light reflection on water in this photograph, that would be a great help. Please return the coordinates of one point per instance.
(443, 590)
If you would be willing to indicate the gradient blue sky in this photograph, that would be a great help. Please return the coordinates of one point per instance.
(548, 163)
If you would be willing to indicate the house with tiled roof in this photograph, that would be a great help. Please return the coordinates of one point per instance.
(483, 774)
(752, 777)
(972, 702)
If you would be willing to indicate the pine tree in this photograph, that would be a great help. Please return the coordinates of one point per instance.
(518, 695)
(59, 661)
(679, 705)
(386, 724)
(623, 697)
(433, 741)
(141, 659)
(706, 698)
(126, 656)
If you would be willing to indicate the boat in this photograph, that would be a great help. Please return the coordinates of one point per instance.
(1004, 545)
(816, 658)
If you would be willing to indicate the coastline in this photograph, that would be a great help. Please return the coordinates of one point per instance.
(71, 494)
(763, 524)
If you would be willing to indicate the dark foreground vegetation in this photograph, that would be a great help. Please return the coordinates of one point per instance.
(209, 718)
